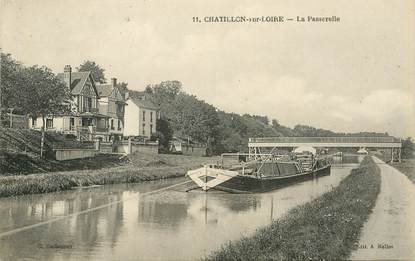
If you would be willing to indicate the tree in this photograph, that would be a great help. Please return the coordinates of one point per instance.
(408, 148)
(96, 71)
(148, 90)
(163, 94)
(11, 83)
(44, 95)
(263, 119)
(194, 119)
(164, 134)
(123, 88)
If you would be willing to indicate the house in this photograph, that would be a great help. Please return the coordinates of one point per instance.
(140, 116)
(84, 121)
(112, 104)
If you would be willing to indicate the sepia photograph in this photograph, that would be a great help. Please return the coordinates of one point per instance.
(207, 130)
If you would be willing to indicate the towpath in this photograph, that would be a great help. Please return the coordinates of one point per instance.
(389, 234)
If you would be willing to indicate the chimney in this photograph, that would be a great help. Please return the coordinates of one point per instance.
(114, 82)
(67, 75)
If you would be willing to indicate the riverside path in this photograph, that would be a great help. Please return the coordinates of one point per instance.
(389, 234)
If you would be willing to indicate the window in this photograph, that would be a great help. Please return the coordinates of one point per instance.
(87, 104)
(144, 115)
(112, 124)
(151, 128)
(119, 125)
(34, 122)
(49, 123)
(71, 123)
(120, 108)
(87, 122)
(144, 129)
(151, 117)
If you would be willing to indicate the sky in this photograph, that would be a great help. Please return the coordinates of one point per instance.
(349, 76)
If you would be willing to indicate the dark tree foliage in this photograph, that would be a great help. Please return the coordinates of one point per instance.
(283, 130)
(194, 119)
(123, 88)
(12, 83)
(408, 148)
(31, 90)
(308, 131)
(96, 70)
(148, 90)
(45, 95)
(164, 134)
(263, 119)
(190, 118)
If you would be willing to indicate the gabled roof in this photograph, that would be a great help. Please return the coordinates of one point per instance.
(143, 103)
(104, 90)
(78, 80)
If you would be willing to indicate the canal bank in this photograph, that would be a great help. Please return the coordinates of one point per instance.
(326, 228)
(140, 167)
(389, 233)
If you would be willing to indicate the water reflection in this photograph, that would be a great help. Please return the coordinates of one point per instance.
(345, 159)
(171, 224)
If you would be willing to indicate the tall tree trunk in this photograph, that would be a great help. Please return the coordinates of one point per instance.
(42, 140)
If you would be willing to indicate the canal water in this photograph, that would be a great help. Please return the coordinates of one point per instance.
(147, 221)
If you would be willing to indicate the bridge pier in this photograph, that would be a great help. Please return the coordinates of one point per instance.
(396, 154)
(399, 155)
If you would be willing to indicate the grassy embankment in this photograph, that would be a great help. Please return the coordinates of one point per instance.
(20, 151)
(326, 228)
(140, 168)
(407, 167)
(20, 164)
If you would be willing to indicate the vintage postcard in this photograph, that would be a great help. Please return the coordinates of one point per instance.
(207, 130)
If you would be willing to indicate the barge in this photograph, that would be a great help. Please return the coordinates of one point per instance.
(262, 174)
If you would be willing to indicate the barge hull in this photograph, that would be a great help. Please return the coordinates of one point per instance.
(246, 184)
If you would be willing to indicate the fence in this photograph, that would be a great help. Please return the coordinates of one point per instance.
(130, 146)
(68, 154)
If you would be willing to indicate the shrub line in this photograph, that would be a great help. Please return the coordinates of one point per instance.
(58, 181)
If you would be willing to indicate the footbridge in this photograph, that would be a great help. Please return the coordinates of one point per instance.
(392, 144)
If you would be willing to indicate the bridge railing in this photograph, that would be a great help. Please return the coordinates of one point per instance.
(325, 140)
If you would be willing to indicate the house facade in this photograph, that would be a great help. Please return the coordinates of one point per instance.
(85, 120)
(112, 104)
(140, 117)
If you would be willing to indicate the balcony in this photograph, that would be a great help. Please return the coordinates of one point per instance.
(92, 129)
